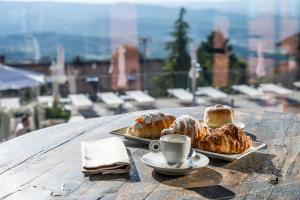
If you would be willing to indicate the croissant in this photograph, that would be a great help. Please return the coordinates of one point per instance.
(227, 139)
(189, 126)
(150, 125)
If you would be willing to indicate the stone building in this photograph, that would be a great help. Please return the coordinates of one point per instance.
(126, 57)
(220, 61)
(95, 76)
(289, 69)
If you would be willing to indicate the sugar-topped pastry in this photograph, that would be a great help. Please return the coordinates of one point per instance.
(150, 125)
(218, 115)
(227, 139)
(189, 126)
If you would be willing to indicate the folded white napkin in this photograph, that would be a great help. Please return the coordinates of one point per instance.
(106, 156)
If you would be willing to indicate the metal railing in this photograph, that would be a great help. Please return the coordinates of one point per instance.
(158, 82)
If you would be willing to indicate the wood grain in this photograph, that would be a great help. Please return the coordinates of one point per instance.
(46, 164)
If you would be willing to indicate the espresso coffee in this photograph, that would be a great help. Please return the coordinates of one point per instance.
(174, 140)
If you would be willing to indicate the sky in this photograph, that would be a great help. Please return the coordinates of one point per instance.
(162, 2)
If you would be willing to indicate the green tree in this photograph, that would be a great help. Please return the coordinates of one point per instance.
(57, 112)
(238, 70)
(45, 59)
(77, 59)
(178, 59)
(205, 55)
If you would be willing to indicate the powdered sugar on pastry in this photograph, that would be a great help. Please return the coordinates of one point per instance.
(185, 123)
(150, 125)
(151, 117)
(189, 126)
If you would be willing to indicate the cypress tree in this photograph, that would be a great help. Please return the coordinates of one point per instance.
(178, 59)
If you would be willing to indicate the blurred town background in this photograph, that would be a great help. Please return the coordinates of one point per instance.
(67, 61)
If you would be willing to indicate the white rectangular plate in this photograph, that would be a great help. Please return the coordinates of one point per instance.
(231, 157)
(122, 132)
(256, 145)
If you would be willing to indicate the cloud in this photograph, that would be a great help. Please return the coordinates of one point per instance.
(130, 1)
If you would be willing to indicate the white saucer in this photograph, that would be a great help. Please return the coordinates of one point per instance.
(158, 163)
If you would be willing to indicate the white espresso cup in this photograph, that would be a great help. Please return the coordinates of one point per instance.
(174, 148)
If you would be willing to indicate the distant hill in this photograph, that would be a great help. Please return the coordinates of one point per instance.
(31, 31)
(23, 46)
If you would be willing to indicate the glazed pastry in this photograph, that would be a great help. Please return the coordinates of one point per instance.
(150, 125)
(189, 126)
(218, 115)
(228, 139)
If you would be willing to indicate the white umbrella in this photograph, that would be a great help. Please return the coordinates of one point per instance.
(58, 69)
(111, 67)
(260, 67)
(58, 72)
(122, 79)
(12, 78)
(292, 64)
(193, 73)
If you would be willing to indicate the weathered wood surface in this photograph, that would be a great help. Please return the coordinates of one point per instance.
(46, 164)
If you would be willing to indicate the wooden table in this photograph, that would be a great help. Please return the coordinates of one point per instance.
(46, 164)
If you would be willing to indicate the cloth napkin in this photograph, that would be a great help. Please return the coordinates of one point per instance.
(106, 156)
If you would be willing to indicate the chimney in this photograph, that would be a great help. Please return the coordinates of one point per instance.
(2, 59)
